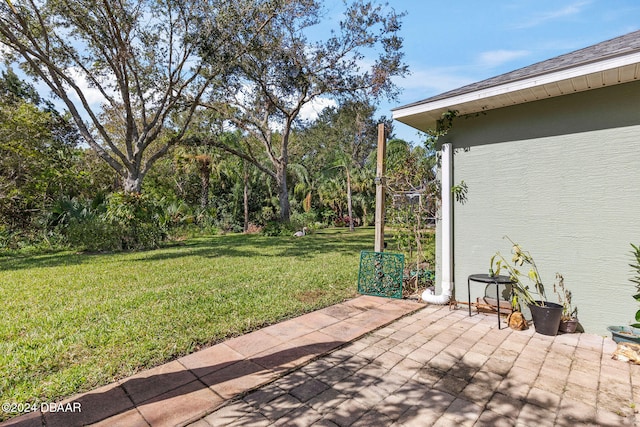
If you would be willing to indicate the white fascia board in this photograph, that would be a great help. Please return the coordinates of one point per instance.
(526, 83)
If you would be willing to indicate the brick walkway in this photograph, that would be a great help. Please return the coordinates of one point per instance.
(342, 366)
(438, 367)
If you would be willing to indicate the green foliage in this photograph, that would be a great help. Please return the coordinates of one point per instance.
(411, 206)
(460, 192)
(137, 219)
(636, 266)
(158, 48)
(33, 164)
(94, 234)
(635, 253)
(118, 222)
(40, 165)
(443, 125)
(521, 287)
(282, 71)
(196, 187)
(528, 285)
(277, 228)
(303, 219)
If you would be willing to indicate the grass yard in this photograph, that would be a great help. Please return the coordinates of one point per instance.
(71, 322)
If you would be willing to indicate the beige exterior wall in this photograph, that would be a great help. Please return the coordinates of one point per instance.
(562, 178)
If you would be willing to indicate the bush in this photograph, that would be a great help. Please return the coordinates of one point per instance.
(276, 228)
(94, 234)
(342, 221)
(137, 219)
(303, 219)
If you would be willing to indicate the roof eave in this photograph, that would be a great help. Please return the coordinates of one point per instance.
(621, 69)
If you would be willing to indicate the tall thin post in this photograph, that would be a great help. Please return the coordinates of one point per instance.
(380, 184)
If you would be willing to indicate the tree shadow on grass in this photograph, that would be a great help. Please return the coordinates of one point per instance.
(22, 262)
(232, 246)
(262, 246)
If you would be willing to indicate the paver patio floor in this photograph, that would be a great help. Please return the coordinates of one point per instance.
(375, 362)
(439, 367)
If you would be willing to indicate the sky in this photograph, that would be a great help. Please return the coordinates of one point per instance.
(449, 44)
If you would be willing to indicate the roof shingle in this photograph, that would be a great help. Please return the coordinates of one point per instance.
(622, 45)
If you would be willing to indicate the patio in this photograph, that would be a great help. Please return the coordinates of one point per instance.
(375, 361)
(440, 367)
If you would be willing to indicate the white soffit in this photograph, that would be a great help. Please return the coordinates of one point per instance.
(612, 71)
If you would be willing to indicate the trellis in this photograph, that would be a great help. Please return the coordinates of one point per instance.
(381, 274)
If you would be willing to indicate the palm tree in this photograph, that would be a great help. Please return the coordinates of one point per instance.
(363, 183)
(332, 194)
(305, 185)
(346, 163)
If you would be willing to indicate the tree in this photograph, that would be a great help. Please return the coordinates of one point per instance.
(38, 154)
(139, 56)
(411, 185)
(343, 138)
(284, 69)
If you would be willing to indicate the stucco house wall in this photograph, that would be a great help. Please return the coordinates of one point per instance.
(561, 177)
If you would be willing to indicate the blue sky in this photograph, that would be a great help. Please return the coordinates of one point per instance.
(451, 44)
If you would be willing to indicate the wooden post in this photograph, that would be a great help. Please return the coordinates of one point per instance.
(380, 184)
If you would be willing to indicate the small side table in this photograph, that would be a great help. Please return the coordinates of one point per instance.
(485, 278)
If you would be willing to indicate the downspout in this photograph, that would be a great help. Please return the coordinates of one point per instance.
(446, 230)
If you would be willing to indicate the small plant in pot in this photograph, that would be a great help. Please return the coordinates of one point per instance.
(630, 333)
(546, 315)
(569, 319)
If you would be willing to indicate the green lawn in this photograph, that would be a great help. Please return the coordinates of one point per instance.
(71, 322)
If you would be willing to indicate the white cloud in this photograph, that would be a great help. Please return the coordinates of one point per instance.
(495, 58)
(311, 110)
(92, 95)
(543, 17)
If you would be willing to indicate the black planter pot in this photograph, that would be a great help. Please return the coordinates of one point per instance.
(546, 319)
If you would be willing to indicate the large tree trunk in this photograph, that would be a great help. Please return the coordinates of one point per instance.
(204, 167)
(283, 193)
(132, 182)
(204, 192)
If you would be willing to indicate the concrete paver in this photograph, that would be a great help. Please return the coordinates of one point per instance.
(374, 361)
(439, 367)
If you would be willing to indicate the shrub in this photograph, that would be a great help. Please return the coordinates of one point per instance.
(137, 218)
(94, 234)
(276, 228)
(303, 219)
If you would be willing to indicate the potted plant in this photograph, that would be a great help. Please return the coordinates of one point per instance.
(630, 333)
(569, 319)
(546, 315)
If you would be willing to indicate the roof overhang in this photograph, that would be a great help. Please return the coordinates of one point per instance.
(622, 69)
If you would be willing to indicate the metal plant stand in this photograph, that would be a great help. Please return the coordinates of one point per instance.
(485, 278)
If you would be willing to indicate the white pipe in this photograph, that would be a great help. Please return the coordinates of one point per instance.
(446, 230)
